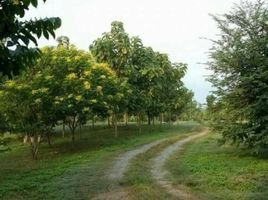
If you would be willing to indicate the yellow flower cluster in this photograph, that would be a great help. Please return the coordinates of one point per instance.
(41, 90)
(71, 76)
(87, 73)
(93, 101)
(59, 98)
(48, 77)
(38, 101)
(99, 88)
(104, 67)
(87, 85)
(15, 2)
(78, 98)
(85, 109)
(10, 83)
(77, 57)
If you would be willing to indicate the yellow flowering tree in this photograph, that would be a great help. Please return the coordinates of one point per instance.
(22, 105)
(67, 69)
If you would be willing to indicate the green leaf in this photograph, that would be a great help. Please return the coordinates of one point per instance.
(45, 33)
(34, 3)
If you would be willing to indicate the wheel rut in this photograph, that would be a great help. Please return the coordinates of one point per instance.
(122, 161)
(159, 173)
(121, 164)
(119, 167)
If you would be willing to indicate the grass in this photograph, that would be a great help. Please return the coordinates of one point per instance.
(219, 173)
(63, 173)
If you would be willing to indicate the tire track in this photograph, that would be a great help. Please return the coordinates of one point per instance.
(119, 167)
(159, 173)
(121, 163)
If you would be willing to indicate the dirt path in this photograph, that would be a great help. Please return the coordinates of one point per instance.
(118, 169)
(122, 161)
(159, 173)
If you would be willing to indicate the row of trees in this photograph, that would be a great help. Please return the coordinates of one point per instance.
(119, 76)
(239, 60)
(154, 81)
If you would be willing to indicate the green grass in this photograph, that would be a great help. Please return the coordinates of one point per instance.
(219, 173)
(63, 173)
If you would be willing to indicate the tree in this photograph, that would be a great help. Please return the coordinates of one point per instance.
(239, 61)
(63, 41)
(113, 48)
(68, 70)
(150, 76)
(16, 35)
(142, 59)
(22, 109)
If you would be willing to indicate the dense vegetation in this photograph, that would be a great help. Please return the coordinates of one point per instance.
(119, 77)
(238, 108)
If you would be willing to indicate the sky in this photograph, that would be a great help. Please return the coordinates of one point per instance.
(174, 27)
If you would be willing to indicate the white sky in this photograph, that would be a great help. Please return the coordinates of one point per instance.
(170, 26)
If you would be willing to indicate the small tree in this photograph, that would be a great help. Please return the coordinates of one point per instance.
(23, 111)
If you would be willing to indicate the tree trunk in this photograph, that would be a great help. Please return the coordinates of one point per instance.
(139, 122)
(80, 131)
(162, 118)
(109, 123)
(63, 129)
(112, 120)
(169, 118)
(48, 139)
(72, 126)
(93, 122)
(115, 125)
(126, 118)
(153, 120)
(35, 141)
(73, 138)
(149, 118)
(25, 139)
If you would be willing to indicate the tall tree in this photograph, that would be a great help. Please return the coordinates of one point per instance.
(239, 61)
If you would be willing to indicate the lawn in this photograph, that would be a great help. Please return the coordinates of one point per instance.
(219, 173)
(63, 173)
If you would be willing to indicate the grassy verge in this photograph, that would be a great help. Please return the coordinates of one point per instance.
(63, 173)
(219, 173)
